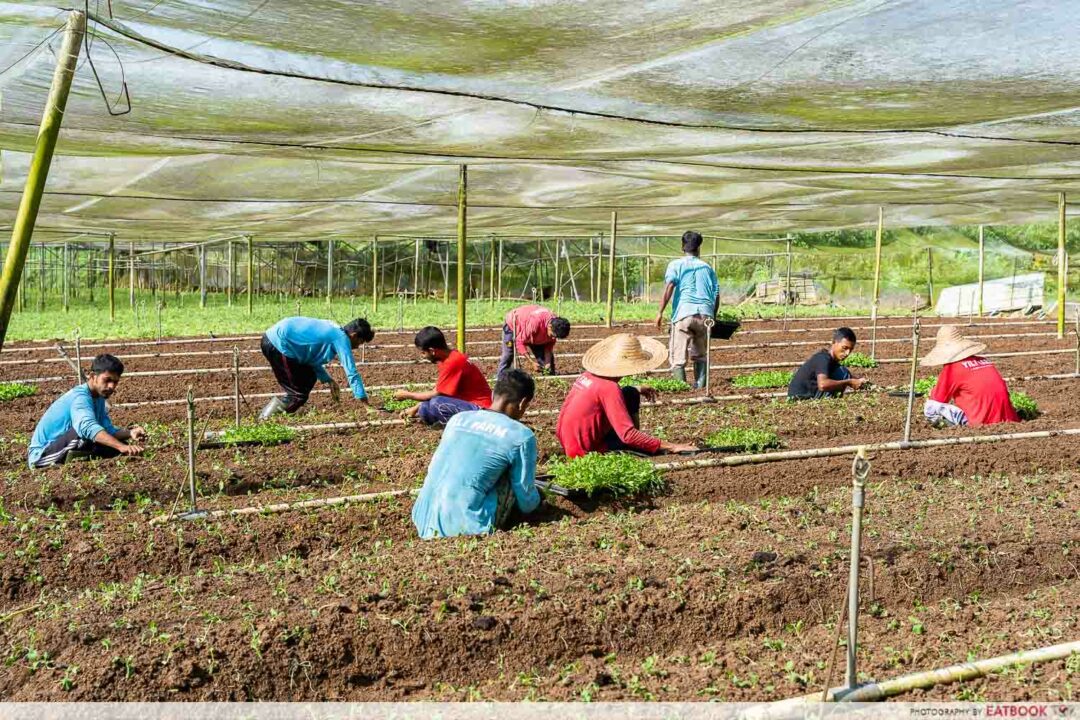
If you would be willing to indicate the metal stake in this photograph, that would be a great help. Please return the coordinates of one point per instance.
(860, 470)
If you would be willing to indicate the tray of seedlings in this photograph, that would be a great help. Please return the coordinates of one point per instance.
(614, 474)
(264, 433)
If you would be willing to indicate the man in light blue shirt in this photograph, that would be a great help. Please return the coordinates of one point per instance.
(694, 293)
(77, 424)
(298, 347)
(485, 465)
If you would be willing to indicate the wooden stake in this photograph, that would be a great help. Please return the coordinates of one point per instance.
(558, 278)
(131, 274)
(911, 380)
(491, 285)
(329, 270)
(877, 281)
(191, 445)
(611, 269)
(982, 249)
(374, 274)
(930, 274)
(648, 267)
(112, 277)
(463, 190)
(236, 385)
(1062, 280)
(250, 272)
(67, 280)
(416, 272)
(498, 287)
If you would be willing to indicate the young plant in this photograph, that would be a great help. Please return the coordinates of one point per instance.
(663, 384)
(763, 379)
(859, 360)
(267, 433)
(616, 473)
(745, 439)
(12, 390)
(399, 405)
(1023, 404)
(925, 385)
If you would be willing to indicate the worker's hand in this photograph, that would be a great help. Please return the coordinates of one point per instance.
(335, 391)
(131, 450)
(409, 414)
(137, 434)
(678, 448)
(659, 321)
(539, 366)
(401, 394)
(648, 393)
(857, 383)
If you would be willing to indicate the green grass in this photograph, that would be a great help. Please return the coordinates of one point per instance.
(746, 439)
(859, 360)
(663, 384)
(1025, 407)
(267, 433)
(614, 473)
(763, 379)
(12, 390)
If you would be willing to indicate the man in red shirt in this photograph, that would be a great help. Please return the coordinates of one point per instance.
(969, 389)
(532, 328)
(460, 387)
(598, 415)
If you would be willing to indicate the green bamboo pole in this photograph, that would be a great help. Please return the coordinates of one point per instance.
(250, 272)
(611, 269)
(1061, 267)
(112, 276)
(374, 274)
(463, 189)
(49, 130)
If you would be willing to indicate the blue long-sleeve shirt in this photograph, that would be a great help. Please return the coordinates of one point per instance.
(478, 450)
(314, 342)
(77, 409)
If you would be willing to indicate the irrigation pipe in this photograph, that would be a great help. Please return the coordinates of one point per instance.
(286, 507)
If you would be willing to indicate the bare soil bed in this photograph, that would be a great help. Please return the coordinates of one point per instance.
(725, 586)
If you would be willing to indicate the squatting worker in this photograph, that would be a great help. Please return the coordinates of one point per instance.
(461, 386)
(969, 389)
(485, 466)
(77, 424)
(298, 347)
(532, 328)
(598, 415)
(694, 293)
(822, 375)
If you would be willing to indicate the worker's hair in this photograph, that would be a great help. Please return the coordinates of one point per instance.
(560, 327)
(691, 242)
(515, 386)
(430, 338)
(844, 333)
(360, 327)
(107, 363)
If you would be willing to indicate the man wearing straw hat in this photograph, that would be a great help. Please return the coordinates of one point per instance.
(694, 292)
(598, 415)
(969, 389)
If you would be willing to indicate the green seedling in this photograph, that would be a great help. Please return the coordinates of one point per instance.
(615, 473)
(267, 433)
(12, 390)
(746, 439)
(859, 360)
(925, 385)
(663, 384)
(1025, 407)
(399, 405)
(763, 379)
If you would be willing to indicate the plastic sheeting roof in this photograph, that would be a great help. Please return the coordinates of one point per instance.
(328, 118)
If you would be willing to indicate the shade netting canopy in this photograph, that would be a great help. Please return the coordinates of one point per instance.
(338, 119)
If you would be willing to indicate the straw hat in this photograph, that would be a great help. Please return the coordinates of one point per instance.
(624, 354)
(951, 347)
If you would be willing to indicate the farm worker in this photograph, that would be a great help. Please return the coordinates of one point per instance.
(969, 389)
(822, 375)
(461, 386)
(694, 293)
(532, 328)
(298, 347)
(77, 424)
(598, 415)
(485, 465)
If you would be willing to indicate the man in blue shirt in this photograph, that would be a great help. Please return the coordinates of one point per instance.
(694, 293)
(485, 465)
(77, 424)
(298, 347)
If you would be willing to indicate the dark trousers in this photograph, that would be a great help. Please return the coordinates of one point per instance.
(296, 379)
(70, 446)
(632, 399)
(506, 361)
(439, 409)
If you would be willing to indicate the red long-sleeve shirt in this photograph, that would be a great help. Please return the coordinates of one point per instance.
(975, 386)
(529, 324)
(592, 409)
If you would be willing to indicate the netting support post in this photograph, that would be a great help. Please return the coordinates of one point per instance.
(112, 277)
(558, 274)
(648, 267)
(416, 271)
(498, 282)
(131, 274)
(877, 282)
(374, 274)
(982, 266)
(329, 270)
(462, 207)
(611, 269)
(66, 285)
(250, 272)
(202, 276)
(1062, 279)
(491, 288)
(49, 130)
(860, 472)
(930, 274)
(230, 260)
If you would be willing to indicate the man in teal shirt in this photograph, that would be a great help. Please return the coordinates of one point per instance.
(694, 293)
(298, 347)
(485, 465)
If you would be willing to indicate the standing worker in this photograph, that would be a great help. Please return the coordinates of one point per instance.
(969, 389)
(298, 347)
(461, 386)
(823, 375)
(533, 328)
(694, 293)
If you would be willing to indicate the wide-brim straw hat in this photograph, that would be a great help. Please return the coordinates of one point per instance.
(624, 354)
(952, 347)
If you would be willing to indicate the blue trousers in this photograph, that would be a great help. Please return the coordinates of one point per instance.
(507, 358)
(439, 409)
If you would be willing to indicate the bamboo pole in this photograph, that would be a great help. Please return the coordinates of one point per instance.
(112, 277)
(230, 262)
(1062, 279)
(236, 385)
(860, 470)
(558, 274)
(131, 274)
(191, 445)
(648, 267)
(416, 272)
(463, 190)
(66, 287)
(202, 276)
(930, 273)
(982, 254)
(611, 270)
(374, 274)
(498, 288)
(250, 272)
(286, 507)
(877, 281)
(42, 285)
(23, 229)
(329, 270)
(911, 379)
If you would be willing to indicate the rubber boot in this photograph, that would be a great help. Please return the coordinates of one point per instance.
(701, 374)
(272, 408)
(679, 373)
